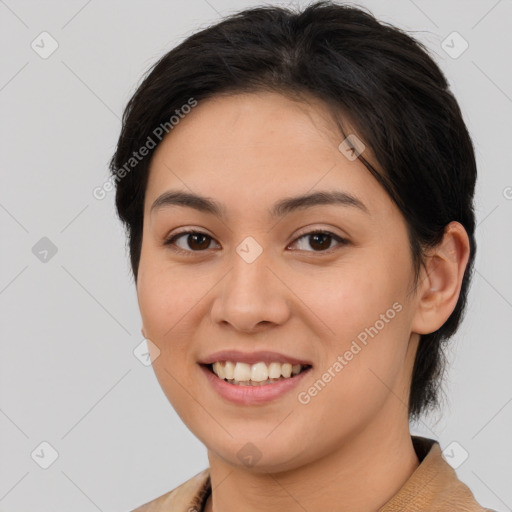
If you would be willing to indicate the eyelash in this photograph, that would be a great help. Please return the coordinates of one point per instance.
(171, 240)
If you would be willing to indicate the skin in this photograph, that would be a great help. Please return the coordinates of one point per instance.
(349, 445)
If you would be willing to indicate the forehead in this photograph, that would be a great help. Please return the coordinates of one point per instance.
(263, 146)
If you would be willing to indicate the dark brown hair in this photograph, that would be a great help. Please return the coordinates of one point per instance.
(374, 75)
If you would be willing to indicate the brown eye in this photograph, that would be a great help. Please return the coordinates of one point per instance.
(319, 241)
(198, 241)
(190, 241)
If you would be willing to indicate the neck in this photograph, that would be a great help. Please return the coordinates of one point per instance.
(362, 475)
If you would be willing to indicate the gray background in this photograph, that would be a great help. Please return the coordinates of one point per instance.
(70, 323)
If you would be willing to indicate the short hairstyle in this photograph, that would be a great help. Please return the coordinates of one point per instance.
(367, 72)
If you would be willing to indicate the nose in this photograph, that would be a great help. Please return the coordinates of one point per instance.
(251, 297)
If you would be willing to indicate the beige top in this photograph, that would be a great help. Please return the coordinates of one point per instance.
(433, 487)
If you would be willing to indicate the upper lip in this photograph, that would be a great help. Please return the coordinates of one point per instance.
(265, 356)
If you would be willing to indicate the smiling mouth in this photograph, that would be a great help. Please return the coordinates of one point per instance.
(258, 374)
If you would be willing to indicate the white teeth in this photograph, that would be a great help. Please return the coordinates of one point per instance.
(274, 370)
(244, 374)
(229, 370)
(219, 370)
(286, 370)
(259, 372)
(242, 371)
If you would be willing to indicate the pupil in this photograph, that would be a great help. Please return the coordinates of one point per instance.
(322, 236)
(194, 237)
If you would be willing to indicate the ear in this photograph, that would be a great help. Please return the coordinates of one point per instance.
(440, 280)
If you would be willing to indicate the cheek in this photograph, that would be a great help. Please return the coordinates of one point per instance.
(161, 309)
(166, 295)
(173, 303)
(168, 304)
(364, 315)
(348, 299)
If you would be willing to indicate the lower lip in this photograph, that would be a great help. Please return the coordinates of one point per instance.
(252, 395)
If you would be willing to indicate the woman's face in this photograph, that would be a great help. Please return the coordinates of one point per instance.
(258, 280)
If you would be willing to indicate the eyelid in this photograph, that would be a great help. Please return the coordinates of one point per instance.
(313, 230)
(341, 241)
(169, 241)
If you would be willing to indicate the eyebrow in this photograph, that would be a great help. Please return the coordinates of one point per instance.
(279, 209)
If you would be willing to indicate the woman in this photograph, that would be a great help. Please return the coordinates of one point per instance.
(297, 190)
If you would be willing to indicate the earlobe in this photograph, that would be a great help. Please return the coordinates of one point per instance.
(441, 280)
